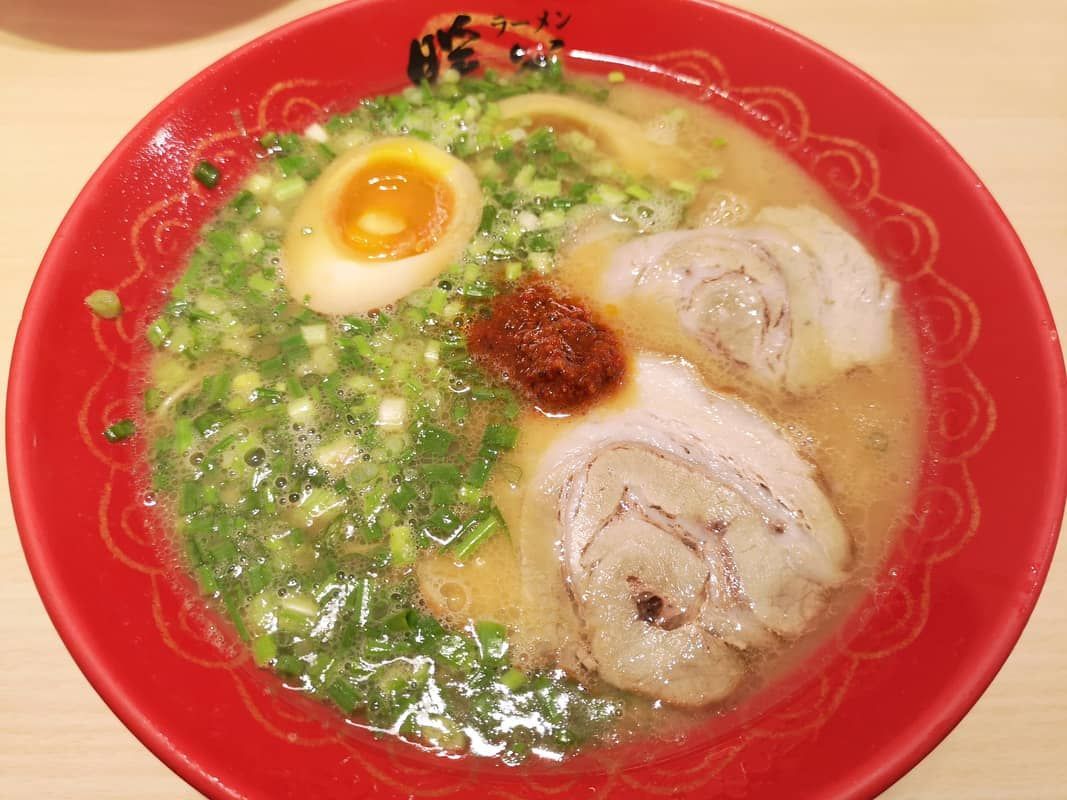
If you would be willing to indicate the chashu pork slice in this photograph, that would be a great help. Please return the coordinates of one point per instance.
(689, 531)
(793, 298)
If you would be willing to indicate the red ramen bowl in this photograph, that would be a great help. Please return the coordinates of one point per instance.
(939, 619)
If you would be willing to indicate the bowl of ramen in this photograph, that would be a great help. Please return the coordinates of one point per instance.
(535, 403)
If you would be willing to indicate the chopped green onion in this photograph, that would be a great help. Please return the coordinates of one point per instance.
(289, 189)
(402, 621)
(214, 388)
(546, 187)
(500, 437)
(709, 173)
(301, 410)
(209, 423)
(119, 431)
(190, 498)
(358, 605)
(244, 384)
(539, 243)
(615, 76)
(233, 608)
(207, 173)
(525, 176)
(432, 353)
(553, 219)
(442, 495)
(314, 334)
(392, 412)
(152, 399)
(402, 548)
(683, 187)
(443, 732)
(481, 530)
(609, 195)
(158, 332)
(257, 184)
(541, 262)
(183, 435)
(264, 650)
(250, 241)
(261, 283)
(300, 604)
(489, 213)
(479, 289)
(442, 473)
(638, 192)
(245, 202)
(289, 665)
(433, 441)
(320, 507)
(104, 303)
(480, 468)
(344, 694)
(542, 140)
(514, 679)
(402, 497)
(492, 639)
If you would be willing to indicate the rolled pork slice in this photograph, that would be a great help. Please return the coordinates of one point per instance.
(689, 531)
(793, 298)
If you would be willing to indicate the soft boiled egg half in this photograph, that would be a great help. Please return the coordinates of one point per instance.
(381, 221)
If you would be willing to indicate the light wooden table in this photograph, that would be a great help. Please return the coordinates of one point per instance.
(76, 75)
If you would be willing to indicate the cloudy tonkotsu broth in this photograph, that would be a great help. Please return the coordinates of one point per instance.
(862, 430)
(515, 417)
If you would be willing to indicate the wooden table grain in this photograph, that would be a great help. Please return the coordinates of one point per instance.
(76, 75)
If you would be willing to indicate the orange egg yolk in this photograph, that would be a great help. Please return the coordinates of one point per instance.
(393, 208)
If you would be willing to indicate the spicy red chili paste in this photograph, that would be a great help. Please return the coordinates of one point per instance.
(549, 346)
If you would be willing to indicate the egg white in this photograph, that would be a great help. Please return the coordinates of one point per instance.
(322, 270)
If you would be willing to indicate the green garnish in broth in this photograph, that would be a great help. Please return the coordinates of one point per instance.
(310, 459)
(104, 303)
